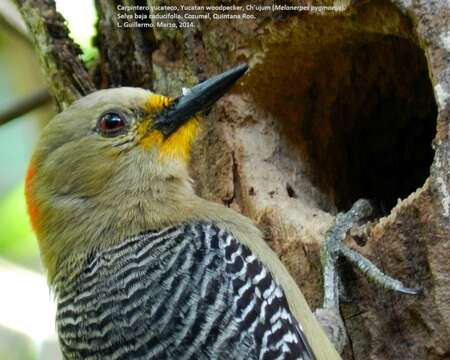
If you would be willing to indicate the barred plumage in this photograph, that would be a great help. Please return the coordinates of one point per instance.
(186, 292)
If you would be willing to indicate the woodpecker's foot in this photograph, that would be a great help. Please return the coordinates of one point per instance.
(332, 250)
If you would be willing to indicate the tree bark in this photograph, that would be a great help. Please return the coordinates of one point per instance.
(118, 47)
(335, 106)
(66, 74)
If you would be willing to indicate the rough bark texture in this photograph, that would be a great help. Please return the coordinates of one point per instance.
(335, 107)
(132, 47)
(66, 75)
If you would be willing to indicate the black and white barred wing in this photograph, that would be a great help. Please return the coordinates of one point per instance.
(258, 302)
(187, 292)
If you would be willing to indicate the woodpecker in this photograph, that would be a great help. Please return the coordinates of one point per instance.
(142, 267)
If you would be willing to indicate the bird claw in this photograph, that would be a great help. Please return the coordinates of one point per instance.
(334, 248)
(410, 291)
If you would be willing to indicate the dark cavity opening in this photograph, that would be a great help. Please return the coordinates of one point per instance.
(359, 108)
(375, 140)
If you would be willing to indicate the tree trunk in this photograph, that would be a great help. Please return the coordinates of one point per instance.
(336, 106)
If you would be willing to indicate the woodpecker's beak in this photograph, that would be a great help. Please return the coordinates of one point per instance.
(200, 98)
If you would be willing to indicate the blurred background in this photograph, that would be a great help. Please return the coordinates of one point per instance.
(27, 330)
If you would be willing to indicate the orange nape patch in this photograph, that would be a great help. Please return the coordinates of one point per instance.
(31, 204)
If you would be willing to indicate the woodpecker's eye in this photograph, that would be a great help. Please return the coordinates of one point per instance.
(111, 124)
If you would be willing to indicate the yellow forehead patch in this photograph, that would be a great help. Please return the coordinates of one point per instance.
(178, 145)
(157, 103)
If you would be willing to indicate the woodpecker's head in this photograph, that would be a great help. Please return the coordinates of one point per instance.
(114, 164)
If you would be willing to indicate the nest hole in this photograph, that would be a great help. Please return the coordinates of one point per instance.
(359, 107)
(375, 140)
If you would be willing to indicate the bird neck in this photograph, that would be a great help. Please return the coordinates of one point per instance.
(75, 227)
